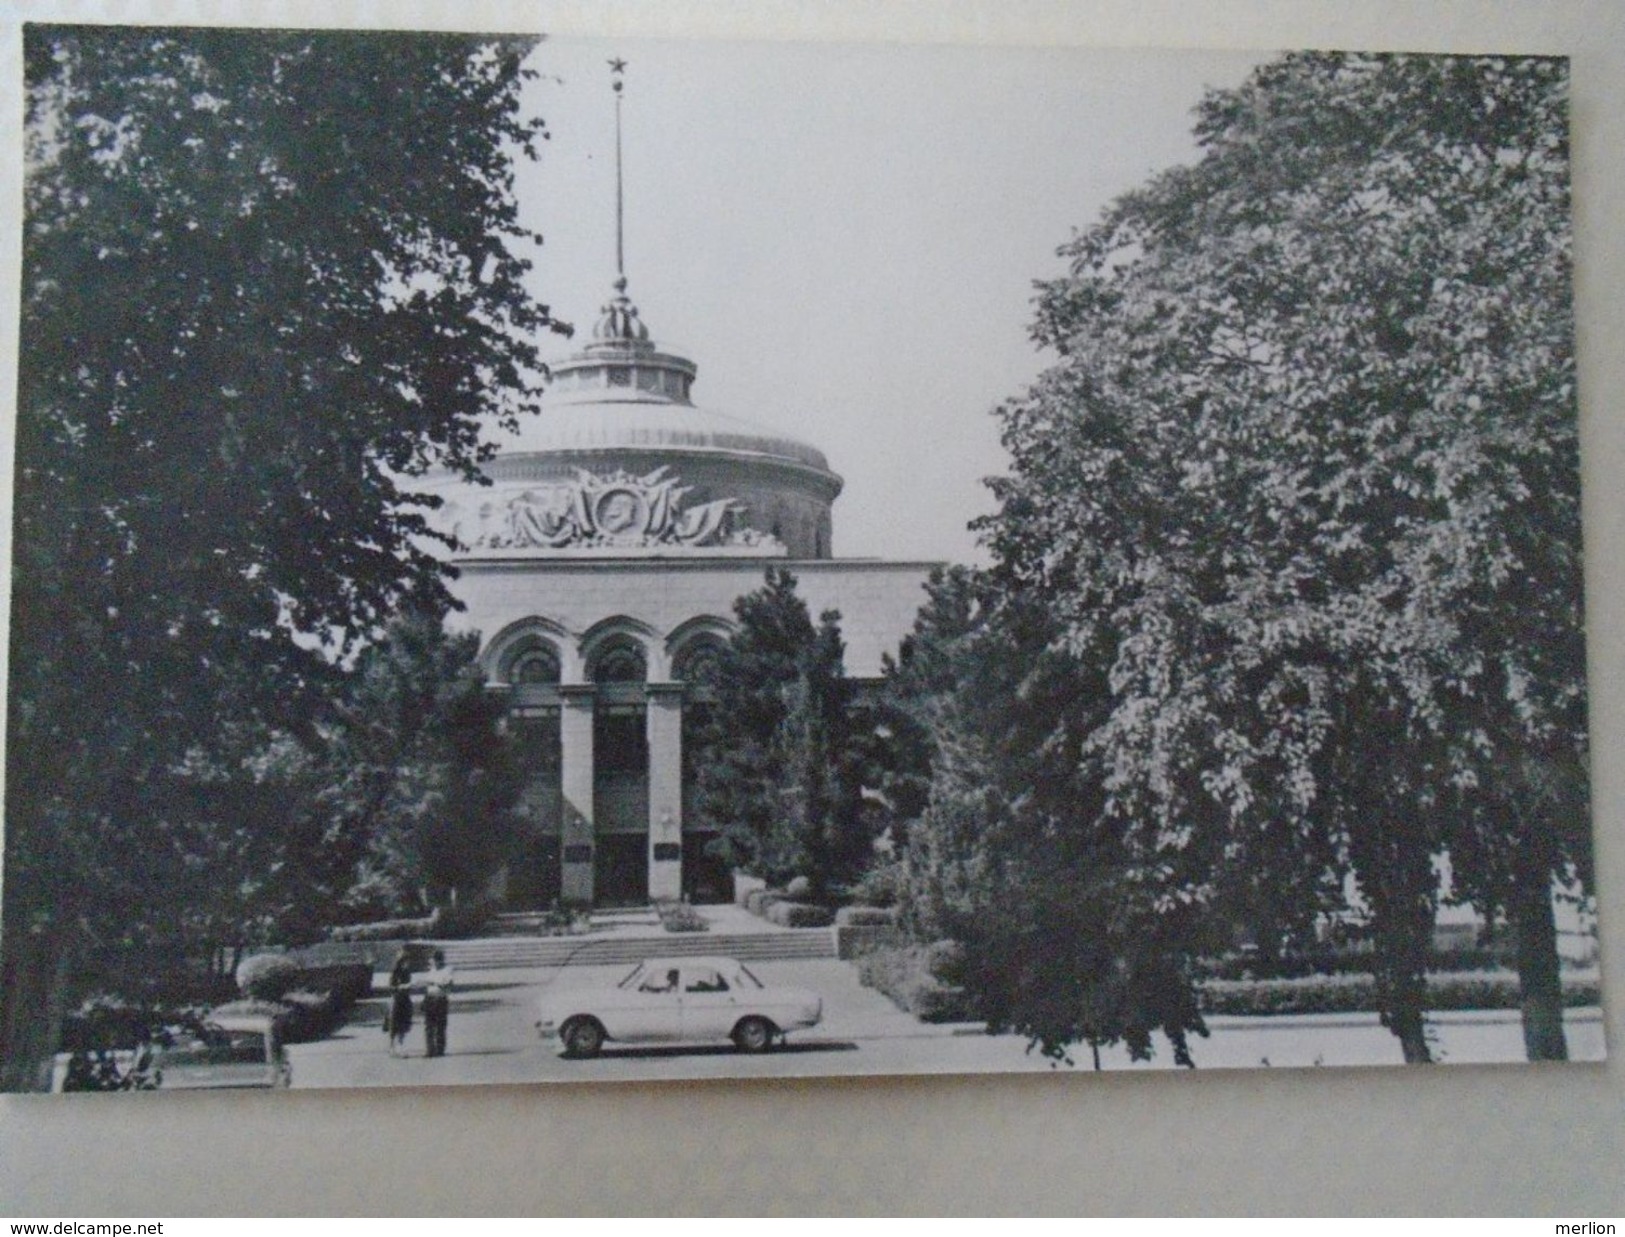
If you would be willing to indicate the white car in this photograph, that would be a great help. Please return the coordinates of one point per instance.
(676, 1001)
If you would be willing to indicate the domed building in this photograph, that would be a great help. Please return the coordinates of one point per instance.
(601, 567)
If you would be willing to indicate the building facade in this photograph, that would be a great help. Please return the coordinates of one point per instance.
(601, 567)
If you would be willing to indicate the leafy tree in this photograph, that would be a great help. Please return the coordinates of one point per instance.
(1304, 480)
(267, 279)
(786, 754)
(1069, 936)
(418, 771)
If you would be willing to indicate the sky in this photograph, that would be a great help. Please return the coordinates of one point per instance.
(845, 238)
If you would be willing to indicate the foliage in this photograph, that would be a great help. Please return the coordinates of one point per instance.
(785, 756)
(1340, 994)
(881, 885)
(1063, 910)
(799, 915)
(267, 977)
(681, 917)
(417, 769)
(866, 916)
(267, 280)
(904, 974)
(1301, 492)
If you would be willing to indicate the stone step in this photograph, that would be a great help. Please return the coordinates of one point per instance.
(492, 953)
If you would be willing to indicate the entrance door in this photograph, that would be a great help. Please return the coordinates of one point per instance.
(621, 869)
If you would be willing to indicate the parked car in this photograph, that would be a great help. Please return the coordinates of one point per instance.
(231, 1050)
(676, 1001)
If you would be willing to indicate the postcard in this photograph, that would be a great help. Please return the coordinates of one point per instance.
(556, 560)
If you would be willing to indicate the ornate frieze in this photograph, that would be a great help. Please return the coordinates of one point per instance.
(616, 510)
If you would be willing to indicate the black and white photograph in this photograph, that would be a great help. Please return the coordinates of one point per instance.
(560, 560)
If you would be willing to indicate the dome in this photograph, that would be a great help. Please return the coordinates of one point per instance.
(636, 421)
(620, 458)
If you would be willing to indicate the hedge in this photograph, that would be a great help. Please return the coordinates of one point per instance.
(903, 972)
(267, 977)
(1343, 994)
(866, 917)
(1345, 960)
(799, 915)
(758, 900)
(681, 917)
(458, 922)
(317, 1004)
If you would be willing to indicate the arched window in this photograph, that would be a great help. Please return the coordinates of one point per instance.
(620, 662)
(540, 665)
(697, 663)
(529, 659)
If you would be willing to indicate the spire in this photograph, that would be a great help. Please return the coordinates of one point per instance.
(619, 321)
(617, 70)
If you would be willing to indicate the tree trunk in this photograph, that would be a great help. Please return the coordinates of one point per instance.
(34, 970)
(1538, 969)
(1409, 1025)
(1401, 887)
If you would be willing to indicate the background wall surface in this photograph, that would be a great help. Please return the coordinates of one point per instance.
(1540, 1140)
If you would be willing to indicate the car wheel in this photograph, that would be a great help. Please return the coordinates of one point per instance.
(754, 1035)
(582, 1037)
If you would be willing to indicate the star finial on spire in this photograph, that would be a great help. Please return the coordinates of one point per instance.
(617, 67)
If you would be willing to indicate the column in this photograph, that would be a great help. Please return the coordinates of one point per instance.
(665, 730)
(575, 779)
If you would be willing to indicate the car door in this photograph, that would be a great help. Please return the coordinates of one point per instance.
(651, 1011)
(710, 1004)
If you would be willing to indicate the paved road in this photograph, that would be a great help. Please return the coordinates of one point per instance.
(492, 1040)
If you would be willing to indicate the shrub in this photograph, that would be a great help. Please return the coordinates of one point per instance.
(866, 917)
(945, 960)
(1346, 960)
(798, 888)
(463, 920)
(758, 900)
(881, 885)
(281, 1015)
(1342, 994)
(903, 973)
(799, 915)
(347, 982)
(266, 977)
(681, 917)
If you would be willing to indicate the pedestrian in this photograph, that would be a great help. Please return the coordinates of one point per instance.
(437, 1005)
(398, 1019)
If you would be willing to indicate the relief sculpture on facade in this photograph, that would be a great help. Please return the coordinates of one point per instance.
(618, 509)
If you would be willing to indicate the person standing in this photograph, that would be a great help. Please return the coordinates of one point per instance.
(437, 1005)
(398, 1021)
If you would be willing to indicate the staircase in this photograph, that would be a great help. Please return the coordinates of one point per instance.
(503, 952)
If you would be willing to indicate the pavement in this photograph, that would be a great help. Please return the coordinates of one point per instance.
(492, 1038)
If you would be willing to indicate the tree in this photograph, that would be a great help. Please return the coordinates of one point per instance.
(1305, 476)
(417, 770)
(785, 761)
(267, 280)
(1068, 932)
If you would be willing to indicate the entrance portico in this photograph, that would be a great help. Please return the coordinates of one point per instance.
(607, 666)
